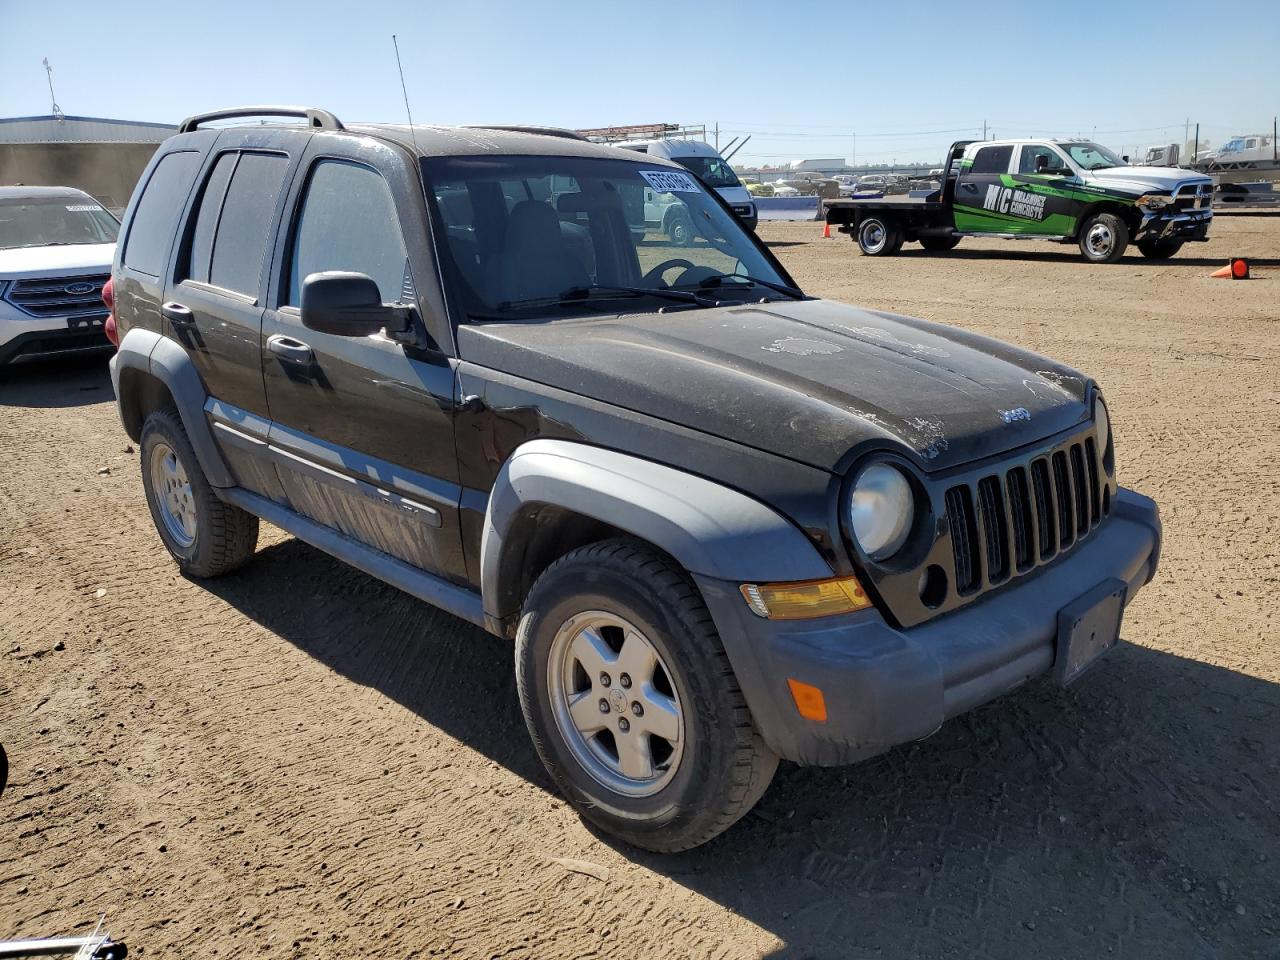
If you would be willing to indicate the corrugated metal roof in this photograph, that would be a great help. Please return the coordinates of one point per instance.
(81, 130)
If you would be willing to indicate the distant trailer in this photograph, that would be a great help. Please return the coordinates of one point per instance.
(1246, 196)
(1245, 171)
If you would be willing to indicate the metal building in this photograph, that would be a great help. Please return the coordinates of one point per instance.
(102, 157)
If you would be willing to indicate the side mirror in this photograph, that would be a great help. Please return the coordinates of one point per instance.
(348, 305)
(1125, 158)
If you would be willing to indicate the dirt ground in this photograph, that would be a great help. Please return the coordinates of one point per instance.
(299, 761)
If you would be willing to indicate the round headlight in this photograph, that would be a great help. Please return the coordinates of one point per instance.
(1102, 423)
(880, 510)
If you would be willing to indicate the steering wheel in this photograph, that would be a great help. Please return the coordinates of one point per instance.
(657, 272)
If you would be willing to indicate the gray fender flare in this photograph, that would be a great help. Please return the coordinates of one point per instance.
(710, 529)
(168, 362)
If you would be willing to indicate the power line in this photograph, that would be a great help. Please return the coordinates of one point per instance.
(845, 136)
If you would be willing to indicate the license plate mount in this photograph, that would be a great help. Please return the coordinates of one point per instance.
(1088, 627)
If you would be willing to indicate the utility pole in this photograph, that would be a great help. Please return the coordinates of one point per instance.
(984, 129)
(1186, 132)
(57, 110)
(717, 136)
(1196, 148)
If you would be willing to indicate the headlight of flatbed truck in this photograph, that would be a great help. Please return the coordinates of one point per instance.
(1152, 202)
(881, 509)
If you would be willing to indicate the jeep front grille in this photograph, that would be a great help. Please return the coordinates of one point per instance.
(50, 296)
(1001, 524)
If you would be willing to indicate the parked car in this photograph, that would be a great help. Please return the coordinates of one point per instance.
(722, 521)
(807, 184)
(846, 184)
(56, 246)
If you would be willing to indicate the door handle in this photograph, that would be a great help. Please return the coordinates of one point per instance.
(176, 312)
(287, 348)
(971, 187)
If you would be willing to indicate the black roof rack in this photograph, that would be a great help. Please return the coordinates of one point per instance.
(321, 119)
(520, 128)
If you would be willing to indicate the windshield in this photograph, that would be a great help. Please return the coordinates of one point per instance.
(49, 221)
(527, 237)
(713, 171)
(1091, 156)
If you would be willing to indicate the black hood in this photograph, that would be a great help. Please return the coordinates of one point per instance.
(814, 381)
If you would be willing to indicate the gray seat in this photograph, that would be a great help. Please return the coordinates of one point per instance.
(536, 261)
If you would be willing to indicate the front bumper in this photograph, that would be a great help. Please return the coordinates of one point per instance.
(884, 686)
(54, 343)
(1193, 226)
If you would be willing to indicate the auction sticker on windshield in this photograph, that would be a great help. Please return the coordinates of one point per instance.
(669, 181)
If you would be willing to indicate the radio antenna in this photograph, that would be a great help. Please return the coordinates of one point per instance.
(405, 91)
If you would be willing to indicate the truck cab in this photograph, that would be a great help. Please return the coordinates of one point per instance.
(1063, 190)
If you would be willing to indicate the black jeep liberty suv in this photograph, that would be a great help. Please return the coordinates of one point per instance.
(724, 522)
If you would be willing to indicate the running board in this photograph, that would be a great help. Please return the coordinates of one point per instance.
(1013, 236)
(449, 597)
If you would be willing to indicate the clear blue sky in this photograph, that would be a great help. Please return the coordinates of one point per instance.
(802, 76)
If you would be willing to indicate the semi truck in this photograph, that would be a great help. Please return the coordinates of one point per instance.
(1069, 191)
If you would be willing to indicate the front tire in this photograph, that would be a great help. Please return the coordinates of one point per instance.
(879, 237)
(206, 536)
(631, 702)
(1103, 238)
(1159, 249)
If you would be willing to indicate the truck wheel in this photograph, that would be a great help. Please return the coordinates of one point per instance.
(679, 230)
(205, 535)
(878, 237)
(631, 701)
(1159, 249)
(1103, 238)
(939, 244)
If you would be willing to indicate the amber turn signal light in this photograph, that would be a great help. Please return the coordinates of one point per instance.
(805, 599)
(810, 702)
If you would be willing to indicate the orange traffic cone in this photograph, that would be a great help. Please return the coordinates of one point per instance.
(826, 231)
(1237, 269)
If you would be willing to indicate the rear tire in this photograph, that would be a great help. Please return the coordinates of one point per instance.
(590, 617)
(206, 536)
(879, 237)
(1103, 238)
(1159, 249)
(939, 244)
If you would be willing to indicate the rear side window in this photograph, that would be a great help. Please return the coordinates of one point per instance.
(992, 160)
(240, 242)
(156, 216)
(348, 222)
(215, 190)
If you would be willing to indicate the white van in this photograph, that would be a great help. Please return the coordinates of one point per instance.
(711, 168)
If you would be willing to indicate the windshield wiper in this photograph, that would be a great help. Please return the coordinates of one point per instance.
(719, 281)
(607, 292)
